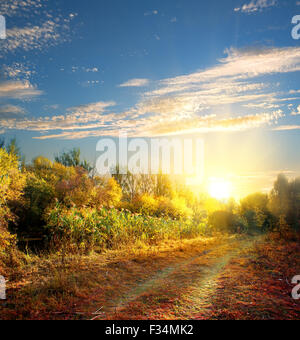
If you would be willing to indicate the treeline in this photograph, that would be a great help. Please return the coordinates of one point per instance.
(66, 206)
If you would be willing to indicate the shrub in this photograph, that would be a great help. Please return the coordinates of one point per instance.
(225, 221)
(11, 189)
(87, 229)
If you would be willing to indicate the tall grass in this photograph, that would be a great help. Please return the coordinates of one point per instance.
(85, 229)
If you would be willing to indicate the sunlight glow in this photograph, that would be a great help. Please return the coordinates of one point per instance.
(219, 188)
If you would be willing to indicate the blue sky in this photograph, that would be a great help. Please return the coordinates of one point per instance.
(73, 71)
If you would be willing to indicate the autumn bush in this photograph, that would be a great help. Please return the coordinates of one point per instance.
(12, 183)
(85, 229)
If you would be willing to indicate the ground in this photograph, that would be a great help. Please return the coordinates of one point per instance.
(232, 277)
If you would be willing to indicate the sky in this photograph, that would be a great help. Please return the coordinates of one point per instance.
(72, 72)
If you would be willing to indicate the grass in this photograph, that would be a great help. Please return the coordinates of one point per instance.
(50, 290)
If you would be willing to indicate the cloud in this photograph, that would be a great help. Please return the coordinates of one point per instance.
(75, 69)
(287, 128)
(10, 8)
(93, 70)
(47, 28)
(296, 113)
(17, 71)
(29, 38)
(226, 97)
(154, 12)
(90, 116)
(18, 90)
(213, 124)
(135, 83)
(11, 111)
(241, 64)
(150, 128)
(294, 92)
(256, 5)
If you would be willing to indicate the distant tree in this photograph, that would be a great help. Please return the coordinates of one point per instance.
(13, 148)
(225, 221)
(254, 209)
(72, 158)
(280, 197)
(2, 143)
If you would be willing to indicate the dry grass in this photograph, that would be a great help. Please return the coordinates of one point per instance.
(206, 278)
(47, 289)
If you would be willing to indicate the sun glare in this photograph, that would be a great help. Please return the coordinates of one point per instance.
(219, 188)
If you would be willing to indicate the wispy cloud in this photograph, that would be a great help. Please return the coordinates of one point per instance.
(17, 71)
(46, 28)
(12, 8)
(227, 98)
(91, 116)
(153, 12)
(135, 83)
(50, 33)
(11, 111)
(256, 5)
(287, 128)
(18, 90)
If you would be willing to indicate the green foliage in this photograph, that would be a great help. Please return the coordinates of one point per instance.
(74, 229)
(226, 222)
(39, 195)
(254, 209)
(72, 159)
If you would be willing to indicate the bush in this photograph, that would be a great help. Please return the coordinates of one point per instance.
(225, 221)
(11, 189)
(87, 229)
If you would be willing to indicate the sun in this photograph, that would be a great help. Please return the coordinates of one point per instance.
(219, 189)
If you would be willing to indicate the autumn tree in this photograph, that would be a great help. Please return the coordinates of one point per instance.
(12, 183)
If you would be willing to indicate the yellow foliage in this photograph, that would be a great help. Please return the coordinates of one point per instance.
(107, 194)
(12, 182)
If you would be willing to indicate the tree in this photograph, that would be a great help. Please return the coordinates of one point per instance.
(254, 208)
(280, 197)
(225, 221)
(12, 183)
(72, 159)
(13, 148)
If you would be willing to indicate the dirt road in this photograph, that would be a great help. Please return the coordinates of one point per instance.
(185, 289)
